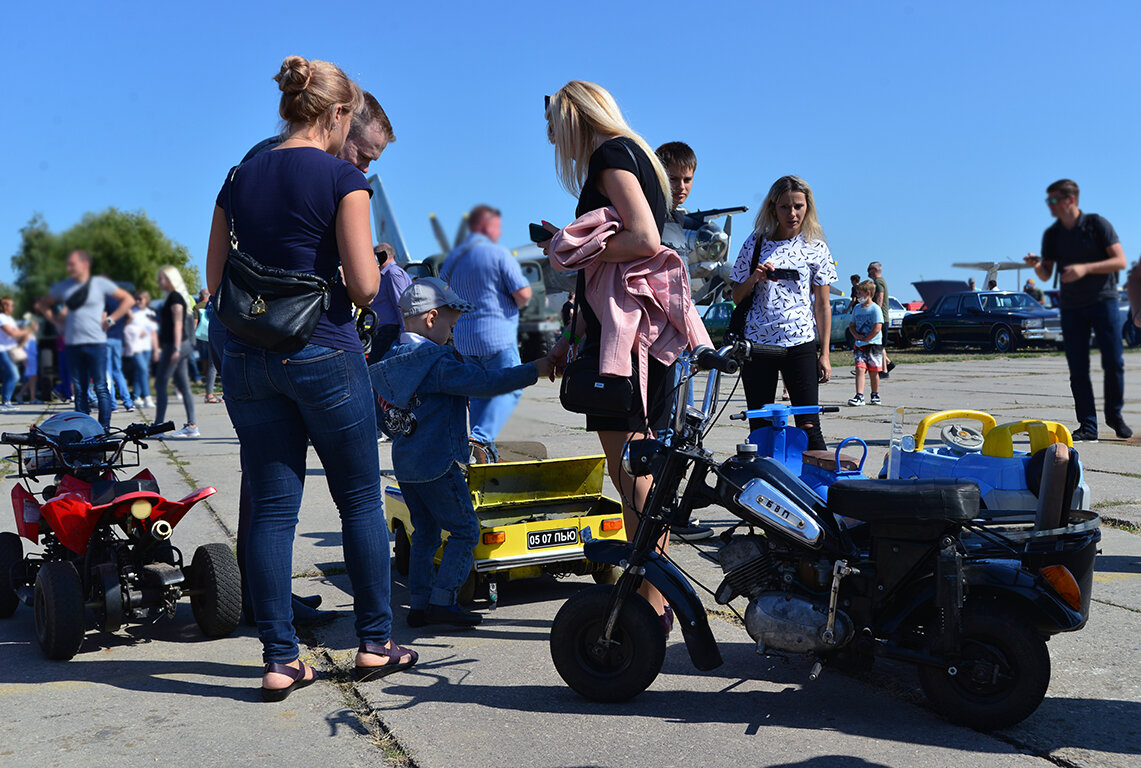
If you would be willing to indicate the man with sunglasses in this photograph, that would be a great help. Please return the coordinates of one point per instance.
(1088, 254)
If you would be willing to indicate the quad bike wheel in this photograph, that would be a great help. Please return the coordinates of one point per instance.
(1003, 673)
(216, 584)
(619, 672)
(11, 553)
(107, 593)
(59, 610)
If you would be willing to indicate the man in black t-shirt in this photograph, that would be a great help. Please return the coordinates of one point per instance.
(1088, 255)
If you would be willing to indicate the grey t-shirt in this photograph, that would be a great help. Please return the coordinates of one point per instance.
(85, 324)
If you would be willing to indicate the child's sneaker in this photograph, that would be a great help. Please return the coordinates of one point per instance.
(857, 400)
(875, 398)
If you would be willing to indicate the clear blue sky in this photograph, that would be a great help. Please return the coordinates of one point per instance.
(928, 131)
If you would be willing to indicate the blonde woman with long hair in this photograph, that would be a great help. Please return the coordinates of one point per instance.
(792, 313)
(175, 337)
(602, 161)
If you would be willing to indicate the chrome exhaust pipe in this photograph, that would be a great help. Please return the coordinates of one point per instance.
(161, 530)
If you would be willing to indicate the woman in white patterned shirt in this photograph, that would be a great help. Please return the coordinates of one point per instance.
(786, 312)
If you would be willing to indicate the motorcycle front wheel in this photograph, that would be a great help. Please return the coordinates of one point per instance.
(1002, 676)
(620, 671)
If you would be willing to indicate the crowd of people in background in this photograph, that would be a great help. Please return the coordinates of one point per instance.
(100, 346)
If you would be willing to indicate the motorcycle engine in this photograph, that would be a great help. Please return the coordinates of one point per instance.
(748, 566)
(779, 619)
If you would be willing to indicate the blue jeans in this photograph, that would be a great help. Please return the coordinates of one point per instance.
(278, 402)
(444, 503)
(115, 372)
(489, 414)
(9, 377)
(143, 374)
(1103, 319)
(88, 363)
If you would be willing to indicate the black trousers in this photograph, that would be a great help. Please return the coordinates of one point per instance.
(798, 367)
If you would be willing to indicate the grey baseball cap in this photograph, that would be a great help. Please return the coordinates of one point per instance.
(430, 293)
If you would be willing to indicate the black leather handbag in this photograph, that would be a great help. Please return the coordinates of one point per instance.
(267, 307)
(736, 328)
(585, 390)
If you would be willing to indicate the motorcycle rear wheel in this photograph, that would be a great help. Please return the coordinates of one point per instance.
(622, 671)
(11, 553)
(217, 584)
(1002, 676)
(59, 610)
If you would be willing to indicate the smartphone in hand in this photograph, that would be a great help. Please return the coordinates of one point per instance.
(784, 273)
(539, 233)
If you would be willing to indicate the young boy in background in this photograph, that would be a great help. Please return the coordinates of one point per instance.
(680, 163)
(425, 387)
(867, 329)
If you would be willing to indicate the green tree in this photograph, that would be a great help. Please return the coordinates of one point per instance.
(124, 246)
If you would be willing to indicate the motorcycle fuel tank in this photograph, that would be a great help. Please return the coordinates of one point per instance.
(761, 503)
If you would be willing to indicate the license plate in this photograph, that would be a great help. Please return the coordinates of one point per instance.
(557, 537)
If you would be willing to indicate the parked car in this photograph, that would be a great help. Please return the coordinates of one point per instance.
(1001, 320)
(716, 319)
(841, 318)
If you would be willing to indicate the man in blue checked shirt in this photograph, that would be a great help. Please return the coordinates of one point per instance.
(486, 275)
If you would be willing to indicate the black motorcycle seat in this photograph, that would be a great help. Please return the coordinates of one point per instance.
(106, 491)
(904, 500)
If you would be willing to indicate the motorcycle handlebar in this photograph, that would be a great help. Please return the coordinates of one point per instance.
(17, 438)
(708, 359)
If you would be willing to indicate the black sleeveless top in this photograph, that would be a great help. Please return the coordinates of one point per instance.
(624, 154)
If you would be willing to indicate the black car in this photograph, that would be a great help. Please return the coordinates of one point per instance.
(1001, 320)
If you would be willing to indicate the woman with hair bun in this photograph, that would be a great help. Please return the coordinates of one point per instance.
(300, 208)
(792, 314)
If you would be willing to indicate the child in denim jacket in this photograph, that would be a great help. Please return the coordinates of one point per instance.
(426, 384)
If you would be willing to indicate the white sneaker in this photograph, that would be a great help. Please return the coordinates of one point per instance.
(7, 407)
(149, 402)
(187, 432)
(857, 400)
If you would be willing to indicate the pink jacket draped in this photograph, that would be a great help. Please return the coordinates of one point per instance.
(644, 306)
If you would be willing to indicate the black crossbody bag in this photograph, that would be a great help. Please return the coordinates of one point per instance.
(736, 327)
(585, 390)
(268, 307)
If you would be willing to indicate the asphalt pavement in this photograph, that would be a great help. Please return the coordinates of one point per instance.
(164, 694)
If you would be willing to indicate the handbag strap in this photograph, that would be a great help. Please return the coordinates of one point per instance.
(230, 199)
(757, 243)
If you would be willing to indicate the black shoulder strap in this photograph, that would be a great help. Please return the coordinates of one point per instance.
(230, 198)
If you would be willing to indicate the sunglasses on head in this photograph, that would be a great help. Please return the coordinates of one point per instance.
(546, 103)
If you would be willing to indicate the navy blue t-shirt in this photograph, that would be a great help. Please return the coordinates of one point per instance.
(285, 215)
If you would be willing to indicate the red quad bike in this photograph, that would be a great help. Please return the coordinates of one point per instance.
(105, 541)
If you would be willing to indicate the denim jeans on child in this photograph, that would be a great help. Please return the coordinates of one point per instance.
(489, 414)
(444, 503)
(88, 363)
(277, 403)
(1103, 319)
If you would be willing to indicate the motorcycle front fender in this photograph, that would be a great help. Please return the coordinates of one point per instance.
(668, 580)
